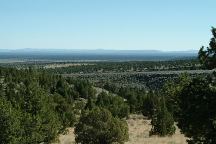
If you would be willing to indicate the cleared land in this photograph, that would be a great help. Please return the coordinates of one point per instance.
(139, 129)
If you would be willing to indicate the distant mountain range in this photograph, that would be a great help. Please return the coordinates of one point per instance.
(100, 51)
(98, 54)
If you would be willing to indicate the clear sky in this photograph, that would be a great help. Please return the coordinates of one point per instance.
(106, 24)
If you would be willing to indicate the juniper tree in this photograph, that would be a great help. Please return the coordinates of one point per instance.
(197, 119)
(162, 121)
(207, 56)
(98, 126)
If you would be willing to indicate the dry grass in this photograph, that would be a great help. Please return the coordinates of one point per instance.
(139, 129)
(139, 133)
(68, 138)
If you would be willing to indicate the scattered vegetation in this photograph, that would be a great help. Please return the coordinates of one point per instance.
(36, 105)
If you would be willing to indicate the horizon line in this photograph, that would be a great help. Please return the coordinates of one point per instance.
(97, 49)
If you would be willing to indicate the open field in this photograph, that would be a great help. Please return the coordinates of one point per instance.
(138, 134)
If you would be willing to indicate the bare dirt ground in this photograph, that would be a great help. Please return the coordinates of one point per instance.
(138, 134)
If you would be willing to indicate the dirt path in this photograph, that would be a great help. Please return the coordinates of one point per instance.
(138, 132)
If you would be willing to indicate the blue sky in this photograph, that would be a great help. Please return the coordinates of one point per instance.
(106, 24)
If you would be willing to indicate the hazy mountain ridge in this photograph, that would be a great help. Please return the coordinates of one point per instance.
(98, 54)
(101, 51)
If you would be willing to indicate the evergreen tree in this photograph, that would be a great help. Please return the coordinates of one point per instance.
(115, 104)
(162, 121)
(34, 107)
(10, 127)
(149, 104)
(90, 104)
(98, 126)
(64, 110)
(171, 92)
(207, 56)
(198, 111)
